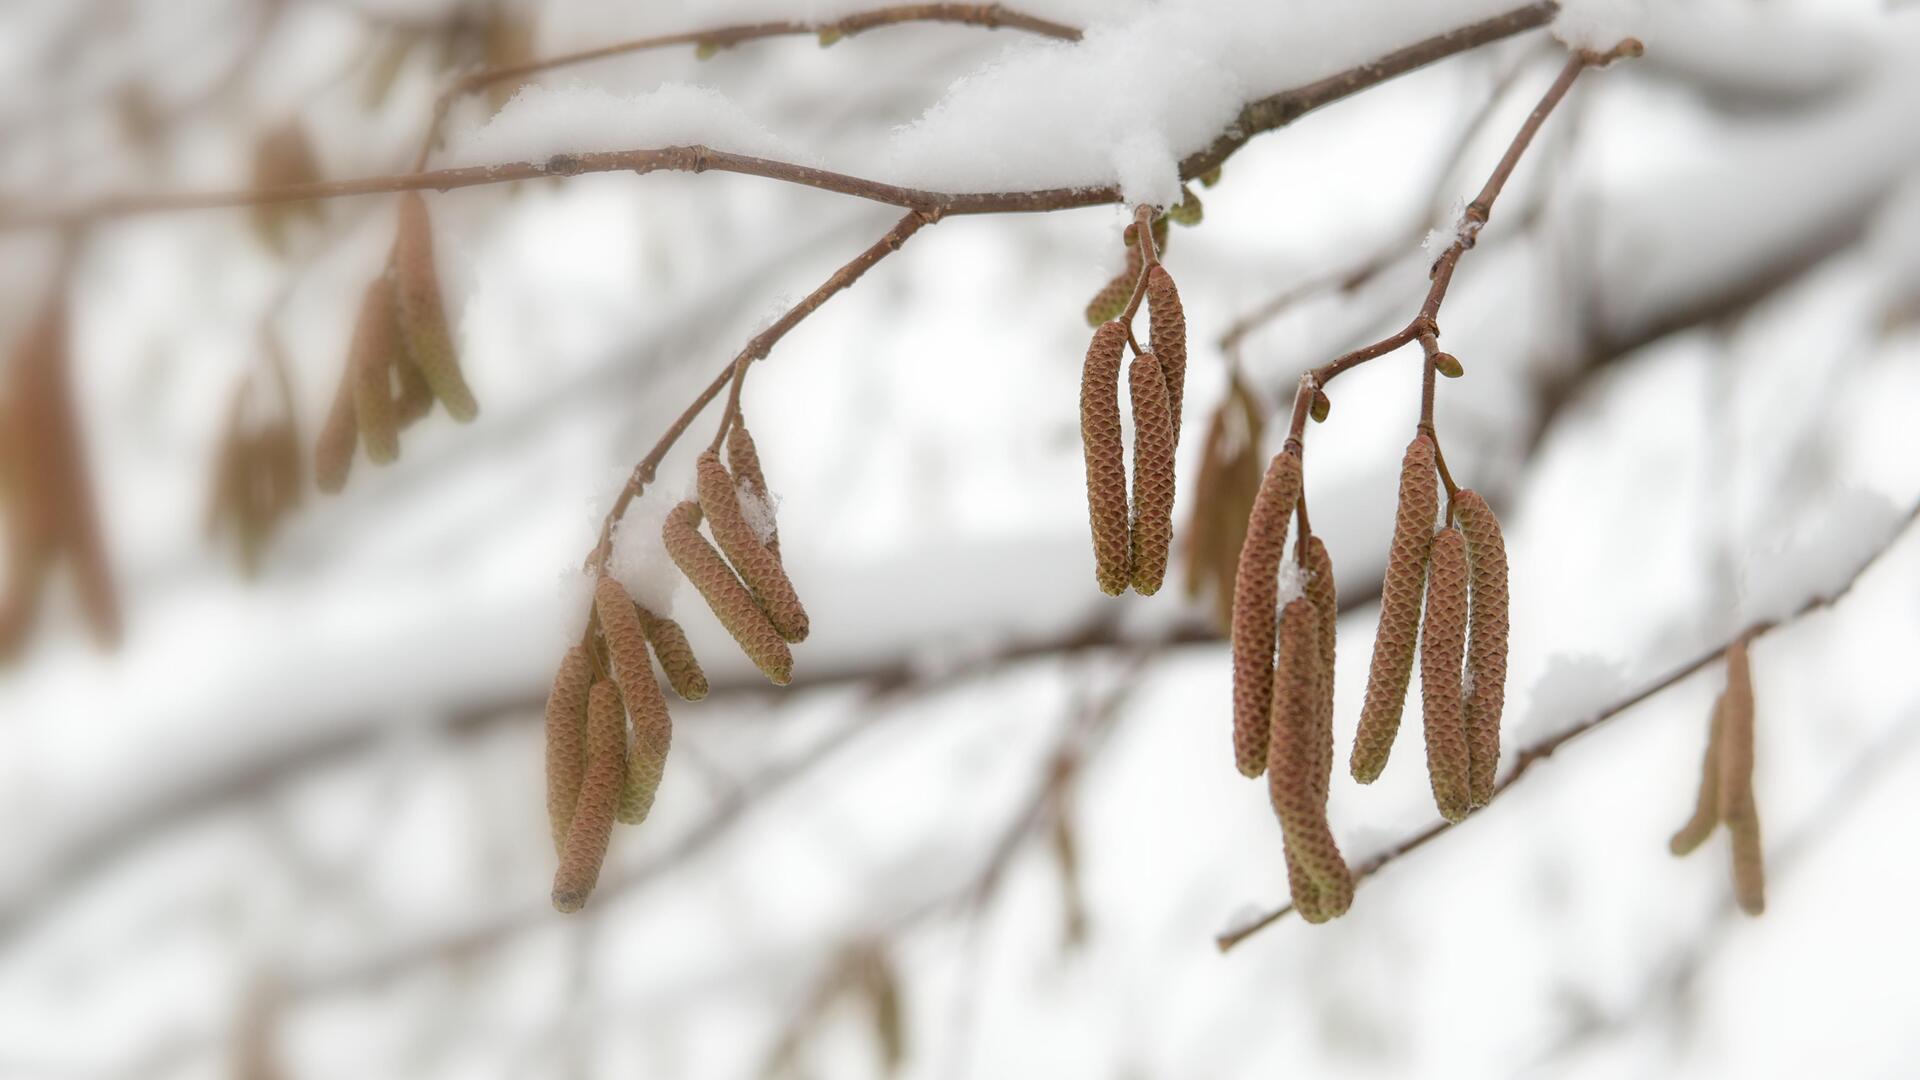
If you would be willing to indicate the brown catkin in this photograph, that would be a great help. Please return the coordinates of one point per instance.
(1443, 643)
(1326, 605)
(1106, 458)
(1255, 591)
(730, 601)
(423, 318)
(1737, 806)
(567, 740)
(675, 654)
(626, 641)
(593, 811)
(415, 398)
(743, 460)
(1169, 336)
(759, 568)
(1111, 301)
(1487, 624)
(1292, 755)
(371, 364)
(1393, 645)
(1706, 807)
(1152, 529)
(333, 450)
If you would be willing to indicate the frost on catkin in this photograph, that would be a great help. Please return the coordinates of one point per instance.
(676, 657)
(423, 318)
(592, 824)
(1443, 644)
(1169, 336)
(1400, 591)
(759, 568)
(1106, 458)
(730, 601)
(371, 365)
(1706, 807)
(1255, 591)
(743, 459)
(1737, 807)
(1293, 754)
(1153, 436)
(567, 740)
(1486, 639)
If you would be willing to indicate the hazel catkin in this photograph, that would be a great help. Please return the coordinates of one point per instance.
(1169, 337)
(729, 600)
(1255, 591)
(423, 317)
(1487, 625)
(1292, 757)
(1106, 458)
(759, 568)
(339, 435)
(1706, 807)
(593, 811)
(1326, 605)
(567, 740)
(1442, 650)
(1152, 529)
(743, 460)
(675, 654)
(1737, 806)
(1393, 645)
(371, 363)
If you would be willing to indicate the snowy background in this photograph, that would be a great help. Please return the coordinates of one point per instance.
(295, 825)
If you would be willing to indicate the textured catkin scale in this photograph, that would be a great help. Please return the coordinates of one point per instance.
(371, 362)
(1152, 528)
(1443, 643)
(759, 568)
(1706, 808)
(1326, 606)
(567, 740)
(626, 640)
(423, 318)
(743, 459)
(1737, 806)
(339, 434)
(593, 811)
(1393, 645)
(730, 601)
(1292, 755)
(1256, 588)
(1487, 625)
(1106, 458)
(1169, 336)
(675, 654)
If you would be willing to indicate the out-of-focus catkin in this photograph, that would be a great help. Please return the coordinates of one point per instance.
(1443, 643)
(371, 362)
(1255, 591)
(1169, 336)
(1230, 471)
(593, 811)
(567, 740)
(1153, 436)
(1706, 807)
(730, 601)
(339, 435)
(1737, 807)
(1400, 591)
(1106, 458)
(743, 459)
(423, 317)
(1486, 639)
(759, 568)
(676, 657)
(1292, 755)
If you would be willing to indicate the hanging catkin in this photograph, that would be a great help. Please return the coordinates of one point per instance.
(371, 362)
(1443, 642)
(759, 568)
(1326, 605)
(1393, 645)
(1169, 336)
(592, 824)
(1737, 806)
(333, 450)
(1152, 529)
(1486, 639)
(626, 641)
(567, 740)
(1106, 458)
(675, 654)
(1255, 591)
(423, 318)
(1228, 484)
(730, 601)
(1706, 808)
(1292, 755)
(743, 459)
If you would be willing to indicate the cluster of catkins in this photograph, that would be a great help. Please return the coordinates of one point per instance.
(1462, 569)
(256, 471)
(1130, 548)
(46, 497)
(401, 360)
(1726, 786)
(607, 725)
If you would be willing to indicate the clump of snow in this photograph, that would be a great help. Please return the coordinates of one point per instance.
(1442, 237)
(1148, 172)
(575, 591)
(758, 507)
(1599, 25)
(639, 557)
(1293, 582)
(541, 122)
(1833, 542)
(1572, 689)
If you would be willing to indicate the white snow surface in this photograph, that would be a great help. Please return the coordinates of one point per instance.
(1599, 25)
(1834, 540)
(640, 559)
(542, 121)
(1573, 688)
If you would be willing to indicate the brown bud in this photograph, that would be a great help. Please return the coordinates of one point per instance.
(1706, 807)
(1393, 645)
(1486, 638)
(1169, 336)
(1737, 806)
(1255, 591)
(1152, 529)
(1443, 643)
(675, 654)
(567, 740)
(1448, 364)
(730, 601)
(371, 362)
(743, 459)
(1292, 756)
(1188, 210)
(759, 568)
(592, 824)
(1320, 407)
(423, 318)
(1106, 458)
